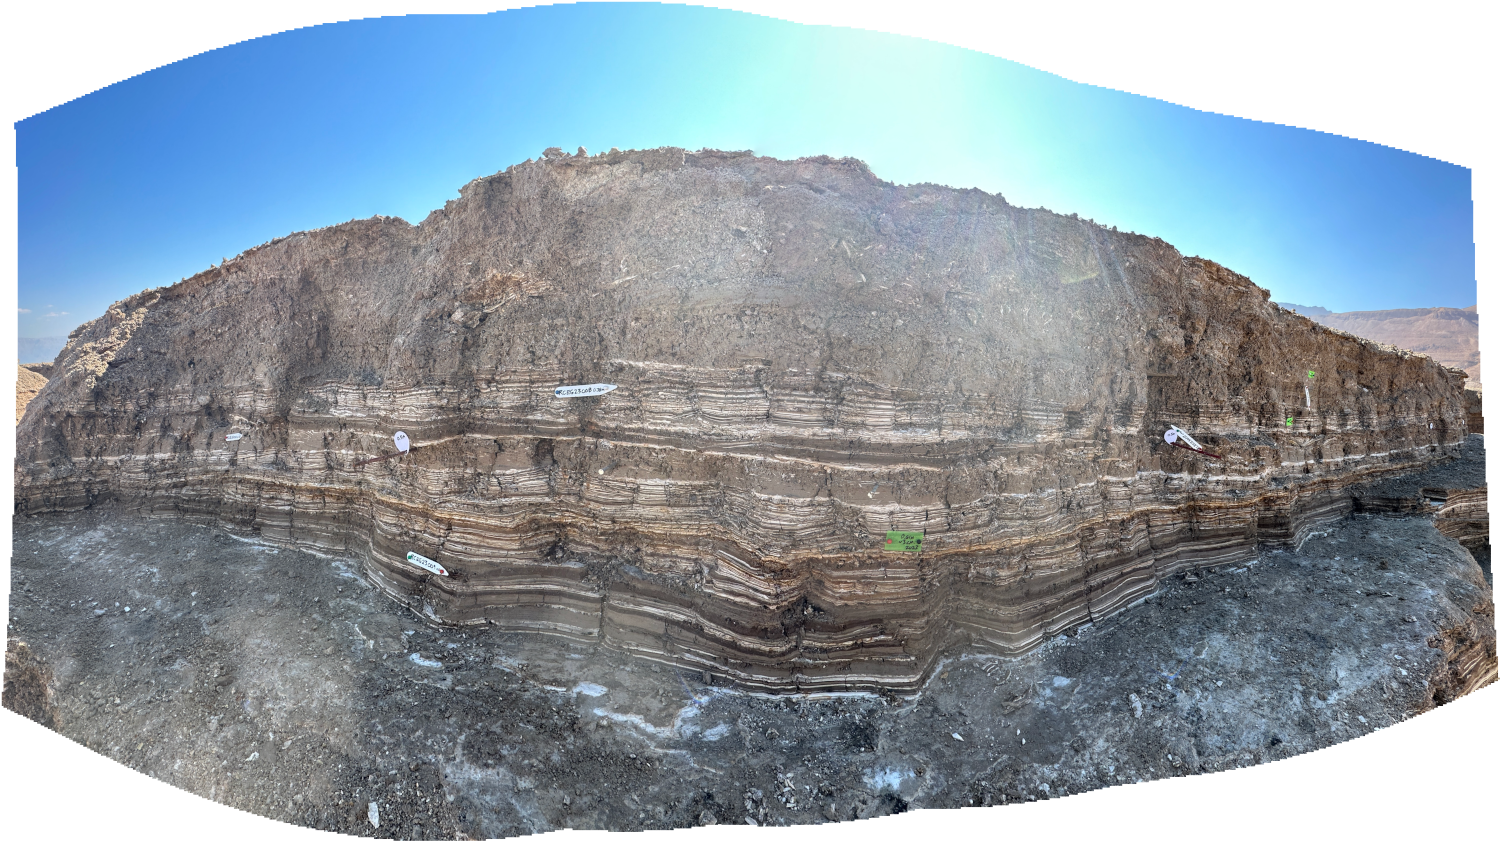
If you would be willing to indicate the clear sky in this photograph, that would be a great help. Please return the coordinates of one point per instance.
(161, 175)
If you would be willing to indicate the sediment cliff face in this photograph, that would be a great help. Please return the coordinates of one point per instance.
(805, 358)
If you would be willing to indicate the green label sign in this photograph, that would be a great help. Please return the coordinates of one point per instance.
(899, 540)
(1288, 421)
(1311, 373)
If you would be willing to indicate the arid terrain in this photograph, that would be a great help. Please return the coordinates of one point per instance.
(729, 491)
(799, 360)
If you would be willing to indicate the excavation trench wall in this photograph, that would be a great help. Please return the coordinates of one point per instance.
(805, 358)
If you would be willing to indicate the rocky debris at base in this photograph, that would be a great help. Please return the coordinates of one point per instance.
(284, 683)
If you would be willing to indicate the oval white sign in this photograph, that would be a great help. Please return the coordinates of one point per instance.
(582, 390)
(402, 443)
(234, 437)
(423, 562)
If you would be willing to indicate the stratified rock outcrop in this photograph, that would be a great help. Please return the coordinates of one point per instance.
(806, 357)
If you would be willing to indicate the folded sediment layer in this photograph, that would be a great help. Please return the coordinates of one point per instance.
(1465, 516)
(805, 357)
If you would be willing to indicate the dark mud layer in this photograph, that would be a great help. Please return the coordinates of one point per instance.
(284, 684)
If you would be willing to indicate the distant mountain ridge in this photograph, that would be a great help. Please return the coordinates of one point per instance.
(39, 349)
(1449, 335)
(1306, 309)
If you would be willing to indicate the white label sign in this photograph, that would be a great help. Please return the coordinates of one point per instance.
(582, 390)
(234, 437)
(402, 443)
(423, 562)
(1175, 433)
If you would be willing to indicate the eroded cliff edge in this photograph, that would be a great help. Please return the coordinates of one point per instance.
(806, 357)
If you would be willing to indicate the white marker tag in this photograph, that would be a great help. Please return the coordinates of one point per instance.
(423, 562)
(1179, 433)
(234, 437)
(402, 443)
(1170, 436)
(1308, 396)
(582, 390)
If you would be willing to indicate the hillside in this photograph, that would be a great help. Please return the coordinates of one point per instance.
(1448, 335)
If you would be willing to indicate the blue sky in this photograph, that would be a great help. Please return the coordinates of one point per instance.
(157, 177)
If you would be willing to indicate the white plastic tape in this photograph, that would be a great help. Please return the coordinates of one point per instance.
(582, 390)
(423, 562)
(1179, 433)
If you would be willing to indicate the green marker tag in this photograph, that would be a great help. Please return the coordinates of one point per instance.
(898, 540)
(1311, 373)
(1288, 421)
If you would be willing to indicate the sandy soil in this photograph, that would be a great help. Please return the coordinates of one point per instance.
(282, 683)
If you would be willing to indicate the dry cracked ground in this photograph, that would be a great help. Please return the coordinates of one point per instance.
(282, 683)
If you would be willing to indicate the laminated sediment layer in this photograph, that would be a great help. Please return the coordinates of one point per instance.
(805, 358)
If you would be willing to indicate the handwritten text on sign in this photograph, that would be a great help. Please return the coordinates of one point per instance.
(423, 562)
(582, 390)
(901, 540)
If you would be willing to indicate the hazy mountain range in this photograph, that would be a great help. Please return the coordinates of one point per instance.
(1449, 335)
(40, 349)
